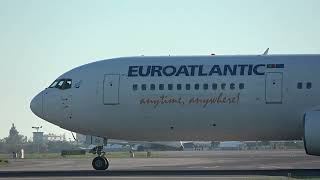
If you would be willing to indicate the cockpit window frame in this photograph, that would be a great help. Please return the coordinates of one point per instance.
(53, 85)
(65, 84)
(60, 84)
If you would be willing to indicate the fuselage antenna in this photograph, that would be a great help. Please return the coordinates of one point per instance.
(266, 52)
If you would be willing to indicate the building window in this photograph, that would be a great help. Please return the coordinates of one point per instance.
(161, 86)
(179, 86)
(196, 86)
(223, 86)
(241, 86)
(152, 86)
(135, 87)
(143, 87)
(170, 86)
(299, 85)
(309, 85)
(205, 86)
(232, 86)
(214, 86)
(188, 86)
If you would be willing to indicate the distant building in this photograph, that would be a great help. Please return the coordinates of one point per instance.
(81, 138)
(54, 137)
(87, 139)
(230, 145)
(38, 137)
(197, 145)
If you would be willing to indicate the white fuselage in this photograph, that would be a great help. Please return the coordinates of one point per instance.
(230, 98)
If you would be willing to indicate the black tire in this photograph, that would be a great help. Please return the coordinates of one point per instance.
(100, 163)
(107, 162)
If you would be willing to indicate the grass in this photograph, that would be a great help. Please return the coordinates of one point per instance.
(87, 155)
(3, 162)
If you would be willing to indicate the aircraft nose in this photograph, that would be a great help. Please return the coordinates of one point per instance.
(36, 105)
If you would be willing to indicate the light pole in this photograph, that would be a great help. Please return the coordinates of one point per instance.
(37, 128)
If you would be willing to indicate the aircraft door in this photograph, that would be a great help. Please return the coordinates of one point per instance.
(274, 88)
(111, 89)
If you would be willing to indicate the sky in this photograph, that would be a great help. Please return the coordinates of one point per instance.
(40, 40)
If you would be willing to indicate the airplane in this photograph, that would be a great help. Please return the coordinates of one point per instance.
(197, 98)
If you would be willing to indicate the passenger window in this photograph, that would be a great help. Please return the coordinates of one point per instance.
(232, 86)
(179, 86)
(214, 86)
(161, 86)
(170, 86)
(135, 87)
(152, 87)
(188, 86)
(223, 86)
(241, 86)
(143, 87)
(205, 86)
(299, 85)
(196, 86)
(309, 85)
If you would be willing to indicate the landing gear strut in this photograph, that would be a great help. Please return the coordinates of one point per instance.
(100, 162)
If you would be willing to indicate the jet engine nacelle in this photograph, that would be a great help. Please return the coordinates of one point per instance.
(312, 133)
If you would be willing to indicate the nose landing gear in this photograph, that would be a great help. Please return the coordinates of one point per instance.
(100, 162)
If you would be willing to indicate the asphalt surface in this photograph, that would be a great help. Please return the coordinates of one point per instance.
(174, 165)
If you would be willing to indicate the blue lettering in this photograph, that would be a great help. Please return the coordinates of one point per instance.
(215, 69)
(132, 71)
(193, 68)
(169, 70)
(147, 73)
(250, 69)
(183, 70)
(255, 69)
(232, 71)
(242, 68)
(156, 69)
(197, 70)
(200, 73)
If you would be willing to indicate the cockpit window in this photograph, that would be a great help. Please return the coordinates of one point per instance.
(61, 84)
(54, 84)
(67, 84)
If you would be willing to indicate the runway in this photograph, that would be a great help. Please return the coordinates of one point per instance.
(187, 165)
(294, 173)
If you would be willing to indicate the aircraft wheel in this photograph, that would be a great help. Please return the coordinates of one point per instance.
(107, 162)
(100, 163)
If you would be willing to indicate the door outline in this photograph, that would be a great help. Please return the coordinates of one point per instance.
(266, 91)
(118, 89)
(66, 100)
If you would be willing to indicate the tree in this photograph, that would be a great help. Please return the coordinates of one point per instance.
(2, 146)
(14, 140)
